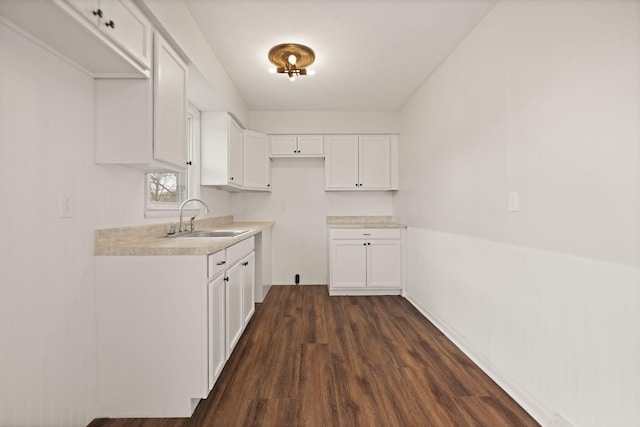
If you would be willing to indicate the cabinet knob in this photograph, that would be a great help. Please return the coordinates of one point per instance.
(356, 184)
(98, 13)
(268, 185)
(111, 24)
(231, 178)
(364, 244)
(368, 244)
(226, 279)
(189, 163)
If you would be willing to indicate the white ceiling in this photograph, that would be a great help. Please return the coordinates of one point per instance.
(370, 54)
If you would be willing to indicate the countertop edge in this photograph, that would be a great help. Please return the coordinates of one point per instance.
(366, 225)
(164, 246)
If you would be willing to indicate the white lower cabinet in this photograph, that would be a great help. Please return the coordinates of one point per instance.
(248, 287)
(165, 327)
(217, 335)
(233, 279)
(365, 261)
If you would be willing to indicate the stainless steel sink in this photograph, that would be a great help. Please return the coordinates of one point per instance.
(209, 233)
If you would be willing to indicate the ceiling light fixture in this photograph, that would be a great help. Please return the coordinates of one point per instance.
(292, 59)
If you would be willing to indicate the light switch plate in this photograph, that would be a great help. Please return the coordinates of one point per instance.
(66, 206)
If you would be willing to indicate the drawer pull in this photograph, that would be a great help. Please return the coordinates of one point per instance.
(366, 234)
(221, 263)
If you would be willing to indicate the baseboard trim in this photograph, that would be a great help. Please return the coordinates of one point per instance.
(528, 403)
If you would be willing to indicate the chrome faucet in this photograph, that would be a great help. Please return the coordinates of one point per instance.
(206, 209)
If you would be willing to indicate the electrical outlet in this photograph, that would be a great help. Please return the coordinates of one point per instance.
(66, 206)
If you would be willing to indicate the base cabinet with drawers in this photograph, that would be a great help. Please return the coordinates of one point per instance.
(366, 261)
(166, 326)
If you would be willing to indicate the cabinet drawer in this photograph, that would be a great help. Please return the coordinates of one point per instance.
(239, 250)
(366, 233)
(217, 263)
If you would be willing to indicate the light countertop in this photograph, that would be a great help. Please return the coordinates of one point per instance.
(151, 240)
(362, 222)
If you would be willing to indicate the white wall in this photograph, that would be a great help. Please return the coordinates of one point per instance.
(325, 121)
(542, 98)
(298, 203)
(47, 361)
(47, 335)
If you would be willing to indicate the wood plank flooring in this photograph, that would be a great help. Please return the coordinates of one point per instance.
(307, 359)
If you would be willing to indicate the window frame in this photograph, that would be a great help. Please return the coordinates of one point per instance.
(192, 172)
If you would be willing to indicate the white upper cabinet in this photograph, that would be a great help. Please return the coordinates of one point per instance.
(107, 38)
(221, 151)
(296, 146)
(341, 166)
(255, 161)
(374, 162)
(122, 23)
(169, 105)
(234, 174)
(361, 162)
(232, 159)
(143, 123)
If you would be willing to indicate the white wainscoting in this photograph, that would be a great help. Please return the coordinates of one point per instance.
(561, 327)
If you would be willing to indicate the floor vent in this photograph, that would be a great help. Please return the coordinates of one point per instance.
(558, 421)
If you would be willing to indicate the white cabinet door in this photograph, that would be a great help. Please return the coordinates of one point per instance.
(170, 105)
(384, 264)
(234, 160)
(310, 146)
(284, 145)
(234, 320)
(297, 146)
(248, 282)
(90, 9)
(123, 23)
(216, 328)
(257, 172)
(341, 168)
(375, 162)
(348, 264)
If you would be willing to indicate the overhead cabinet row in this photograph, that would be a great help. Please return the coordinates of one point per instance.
(236, 159)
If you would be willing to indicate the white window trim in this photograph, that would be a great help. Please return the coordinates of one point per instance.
(170, 210)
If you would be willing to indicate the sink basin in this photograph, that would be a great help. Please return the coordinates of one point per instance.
(210, 233)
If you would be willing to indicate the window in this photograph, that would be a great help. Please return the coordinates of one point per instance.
(167, 187)
(165, 191)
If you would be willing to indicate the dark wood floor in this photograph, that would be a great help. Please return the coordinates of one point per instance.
(307, 359)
